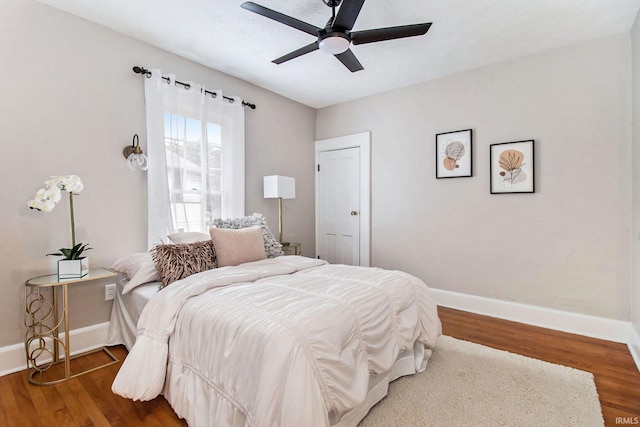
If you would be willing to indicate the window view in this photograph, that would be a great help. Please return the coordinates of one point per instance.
(193, 152)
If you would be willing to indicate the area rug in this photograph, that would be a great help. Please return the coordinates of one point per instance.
(467, 384)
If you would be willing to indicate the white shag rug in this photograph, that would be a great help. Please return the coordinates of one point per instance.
(467, 384)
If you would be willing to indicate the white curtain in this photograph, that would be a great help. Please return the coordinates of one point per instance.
(177, 118)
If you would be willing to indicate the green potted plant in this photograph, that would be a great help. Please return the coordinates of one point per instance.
(74, 264)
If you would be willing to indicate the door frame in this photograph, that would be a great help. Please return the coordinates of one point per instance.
(362, 141)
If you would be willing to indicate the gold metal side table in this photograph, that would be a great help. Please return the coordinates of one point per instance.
(43, 339)
(296, 248)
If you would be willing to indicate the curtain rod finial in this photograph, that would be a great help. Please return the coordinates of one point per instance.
(141, 70)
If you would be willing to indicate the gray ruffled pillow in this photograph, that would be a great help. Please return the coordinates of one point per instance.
(272, 248)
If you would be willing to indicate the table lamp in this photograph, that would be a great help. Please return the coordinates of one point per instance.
(280, 187)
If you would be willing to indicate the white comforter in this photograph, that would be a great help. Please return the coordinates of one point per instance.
(289, 341)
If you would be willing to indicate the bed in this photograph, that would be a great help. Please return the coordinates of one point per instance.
(285, 341)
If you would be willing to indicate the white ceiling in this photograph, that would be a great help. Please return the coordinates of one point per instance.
(465, 34)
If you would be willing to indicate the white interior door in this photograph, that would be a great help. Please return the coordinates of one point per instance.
(339, 206)
(342, 188)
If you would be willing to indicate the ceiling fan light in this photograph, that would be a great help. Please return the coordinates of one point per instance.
(334, 44)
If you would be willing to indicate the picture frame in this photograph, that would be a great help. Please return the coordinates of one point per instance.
(454, 154)
(512, 167)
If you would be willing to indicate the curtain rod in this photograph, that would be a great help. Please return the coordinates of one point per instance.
(147, 73)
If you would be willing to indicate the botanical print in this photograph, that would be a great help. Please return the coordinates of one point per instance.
(454, 151)
(453, 154)
(511, 165)
(511, 161)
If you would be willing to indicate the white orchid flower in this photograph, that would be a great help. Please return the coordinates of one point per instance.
(46, 199)
(76, 187)
(41, 194)
(46, 206)
(72, 183)
(53, 181)
(41, 205)
(52, 193)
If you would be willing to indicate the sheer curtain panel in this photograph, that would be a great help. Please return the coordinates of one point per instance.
(195, 145)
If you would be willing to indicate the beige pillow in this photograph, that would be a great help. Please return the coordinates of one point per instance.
(235, 247)
(175, 262)
(272, 248)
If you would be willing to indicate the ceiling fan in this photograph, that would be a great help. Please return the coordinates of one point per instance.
(336, 37)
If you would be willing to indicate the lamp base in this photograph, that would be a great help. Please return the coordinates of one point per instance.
(284, 243)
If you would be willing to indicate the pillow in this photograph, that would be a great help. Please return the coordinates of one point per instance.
(235, 247)
(272, 247)
(175, 262)
(139, 269)
(188, 237)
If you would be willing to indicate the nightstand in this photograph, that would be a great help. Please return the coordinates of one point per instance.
(43, 322)
(296, 248)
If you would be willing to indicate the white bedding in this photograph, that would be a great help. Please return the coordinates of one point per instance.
(126, 310)
(289, 341)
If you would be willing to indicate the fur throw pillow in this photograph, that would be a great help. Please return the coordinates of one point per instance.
(175, 262)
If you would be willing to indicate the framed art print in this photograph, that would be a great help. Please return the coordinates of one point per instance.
(453, 154)
(512, 167)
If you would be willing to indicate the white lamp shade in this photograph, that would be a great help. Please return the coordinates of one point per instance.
(279, 186)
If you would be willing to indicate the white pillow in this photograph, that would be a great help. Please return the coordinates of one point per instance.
(139, 269)
(188, 237)
(235, 247)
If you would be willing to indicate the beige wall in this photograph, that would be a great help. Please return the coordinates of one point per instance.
(635, 235)
(565, 247)
(69, 103)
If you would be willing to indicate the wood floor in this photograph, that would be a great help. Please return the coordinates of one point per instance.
(88, 401)
(616, 376)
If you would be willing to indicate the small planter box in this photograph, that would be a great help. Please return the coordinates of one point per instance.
(73, 268)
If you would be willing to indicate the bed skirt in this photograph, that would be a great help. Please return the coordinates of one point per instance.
(197, 400)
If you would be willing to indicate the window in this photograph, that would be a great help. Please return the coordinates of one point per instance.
(195, 145)
(193, 153)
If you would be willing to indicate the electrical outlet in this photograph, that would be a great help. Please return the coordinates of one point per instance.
(109, 292)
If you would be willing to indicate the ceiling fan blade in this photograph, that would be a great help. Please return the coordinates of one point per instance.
(282, 18)
(348, 13)
(303, 50)
(390, 33)
(350, 61)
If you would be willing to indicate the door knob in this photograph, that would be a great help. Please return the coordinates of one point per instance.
(354, 213)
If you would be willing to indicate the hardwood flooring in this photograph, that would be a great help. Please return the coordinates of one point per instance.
(88, 401)
(616, 375)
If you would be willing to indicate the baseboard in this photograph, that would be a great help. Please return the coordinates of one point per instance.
(13, 359)
(634, 346)
(575, 323)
